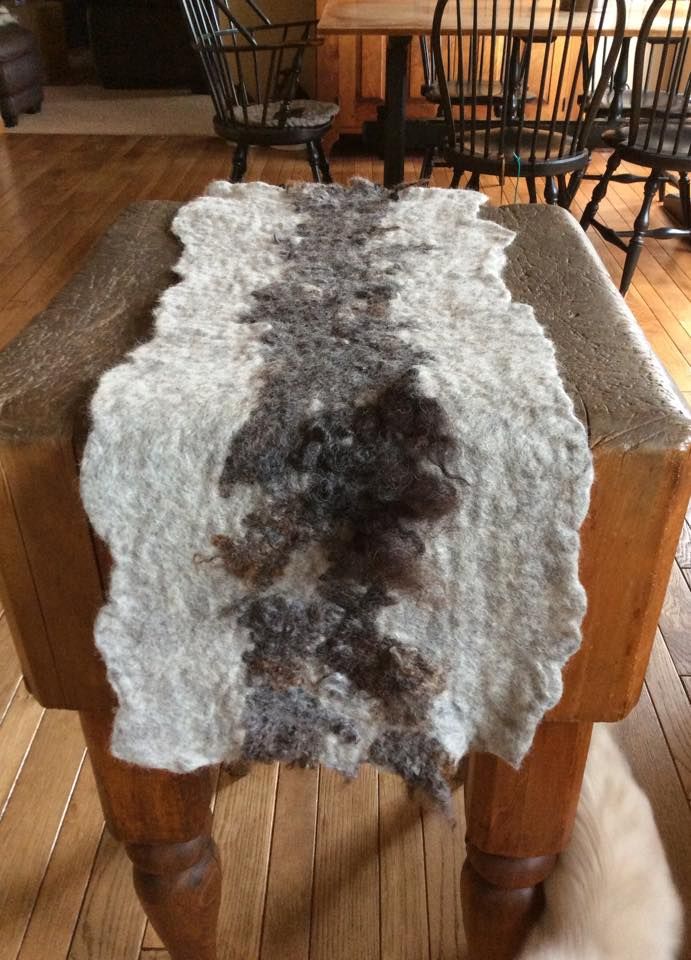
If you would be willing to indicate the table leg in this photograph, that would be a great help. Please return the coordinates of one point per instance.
(164, 820)
(621, 73)
(397, 51)
(518, 821)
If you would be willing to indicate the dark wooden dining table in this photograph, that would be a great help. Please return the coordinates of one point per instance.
(401, 20)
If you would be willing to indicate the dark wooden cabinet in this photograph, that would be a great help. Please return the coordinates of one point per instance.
(142, 43)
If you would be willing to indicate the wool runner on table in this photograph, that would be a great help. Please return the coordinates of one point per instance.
(342, 487)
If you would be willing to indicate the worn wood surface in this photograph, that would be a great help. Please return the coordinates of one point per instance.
(66, 885)
(413, 17)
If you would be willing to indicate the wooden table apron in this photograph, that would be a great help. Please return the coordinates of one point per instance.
(399, 22)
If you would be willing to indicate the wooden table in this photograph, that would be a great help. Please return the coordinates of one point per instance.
(53, 571)
(401, 20)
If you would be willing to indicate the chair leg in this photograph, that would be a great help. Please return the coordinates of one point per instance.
(600, 190)
(573, 185)
(551, 195)
(563, 193)
(532, 189)
(518, 821)
(427, 163)
(640, 226)
(474, 182)
(164, 820)
(239, 163)
(456, 178)
(313, 158)
(323, 162)
(685, 197)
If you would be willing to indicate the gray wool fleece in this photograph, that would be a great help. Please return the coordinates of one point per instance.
(342, 487)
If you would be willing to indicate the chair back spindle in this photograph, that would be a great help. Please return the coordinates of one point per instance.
(661, 89)
(521, 94)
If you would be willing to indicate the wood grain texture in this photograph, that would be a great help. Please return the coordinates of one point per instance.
(672, 707)
(11, 673)
(32, 820)
(414, 17)
(42, 520)
(644, 743)
(57, 909)
(403, 903)
(20, 726)
(111, 916)
(287, 913)
(243, 820)
(345, 906)
(444, 855)
(675, 618)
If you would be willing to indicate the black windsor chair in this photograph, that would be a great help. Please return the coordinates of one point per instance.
(658, 131)
(542, 136)
(431, 92)
(253, 74)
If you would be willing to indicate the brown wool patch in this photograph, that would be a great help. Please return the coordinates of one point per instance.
(350, 455)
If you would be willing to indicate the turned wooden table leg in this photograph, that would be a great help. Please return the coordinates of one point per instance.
(164, 820)
(517, 823)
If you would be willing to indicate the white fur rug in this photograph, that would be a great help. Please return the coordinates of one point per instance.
(611, 896)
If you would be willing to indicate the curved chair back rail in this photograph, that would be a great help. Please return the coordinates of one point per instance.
(493, 125)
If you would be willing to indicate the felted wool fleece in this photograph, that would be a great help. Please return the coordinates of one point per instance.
(342, 486)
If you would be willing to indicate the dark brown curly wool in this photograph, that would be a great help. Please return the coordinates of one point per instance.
(349, 455)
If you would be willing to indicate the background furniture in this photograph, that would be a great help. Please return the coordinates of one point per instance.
(657, 135)
(351, 70)
(53, 573)
(45, 19)
(253, 72)
(548, 138)
(21, 73)
(401, 20)
(142, 43)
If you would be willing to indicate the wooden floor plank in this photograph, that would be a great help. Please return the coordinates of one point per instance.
(444, 855)
(56, 912)
(10, 671)
(243, 824)
(111, 921)
(16, 736)
(286, 926)
(684, 548)
(403, 897)
(672, 708)
(345, 911)
(675, 619)
(642, 739)
(31, 822)
(687, 685)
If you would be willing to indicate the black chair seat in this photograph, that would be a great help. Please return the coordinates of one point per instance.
(431, 92)
(647, 102)
(540, 166)
(653, 154)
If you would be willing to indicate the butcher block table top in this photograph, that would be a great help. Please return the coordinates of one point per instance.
(414, 17)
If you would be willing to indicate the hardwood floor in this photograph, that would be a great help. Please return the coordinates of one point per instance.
(313, 867)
